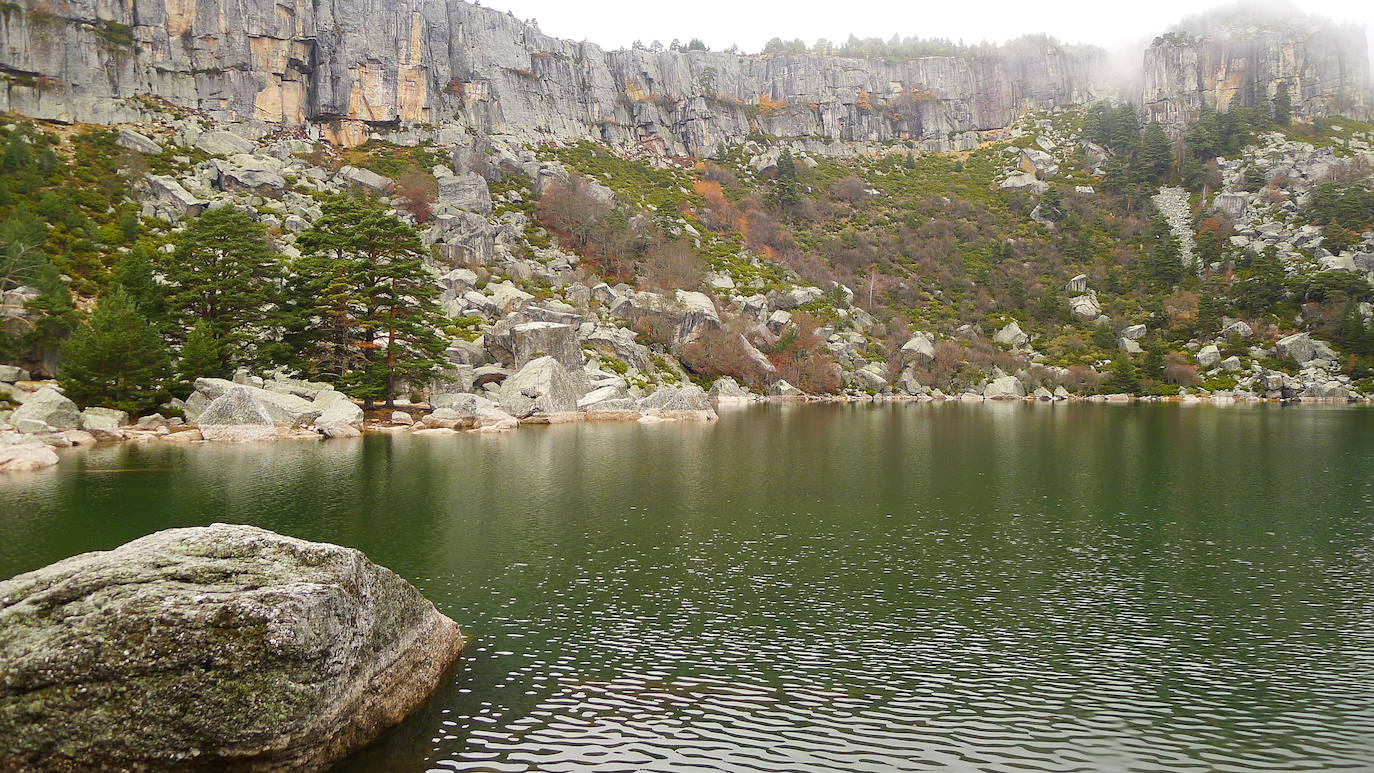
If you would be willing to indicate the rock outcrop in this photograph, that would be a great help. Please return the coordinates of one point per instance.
(216, 648)
(1225, 63)
(46, 410)
(351, 66)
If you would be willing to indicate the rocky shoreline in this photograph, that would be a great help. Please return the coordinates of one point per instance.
(223, 411)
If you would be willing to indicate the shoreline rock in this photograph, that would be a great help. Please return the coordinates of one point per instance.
(222, 647)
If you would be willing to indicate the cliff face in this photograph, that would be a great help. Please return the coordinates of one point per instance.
(351, 66)
(1326, 70)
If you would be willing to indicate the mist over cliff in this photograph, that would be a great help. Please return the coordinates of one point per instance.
(350, 67)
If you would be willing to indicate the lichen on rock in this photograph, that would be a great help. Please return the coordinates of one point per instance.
(216, 648)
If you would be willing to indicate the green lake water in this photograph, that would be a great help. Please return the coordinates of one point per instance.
(915, 587)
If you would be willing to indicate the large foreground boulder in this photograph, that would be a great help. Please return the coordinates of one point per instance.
(216, 648)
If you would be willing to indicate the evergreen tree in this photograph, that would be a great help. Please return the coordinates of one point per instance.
(1155, 155)
(51, 315)
(1125, 129)
(1153, 364)
(117, 359)
(1162, 264)
(200, 357)
(1283, 106)
(224, 272)
(785, 190)
(1210, 306)
(1123, 376)
(377, 309)
(134, 273)
(1354, 331)
(1191, 171)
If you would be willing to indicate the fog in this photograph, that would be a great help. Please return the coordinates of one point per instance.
(1125, 27)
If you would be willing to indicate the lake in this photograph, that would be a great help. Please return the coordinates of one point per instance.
(964, 587)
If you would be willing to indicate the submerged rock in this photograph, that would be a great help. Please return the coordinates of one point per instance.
(216, 648)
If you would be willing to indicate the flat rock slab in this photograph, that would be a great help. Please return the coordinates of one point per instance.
(216, 648)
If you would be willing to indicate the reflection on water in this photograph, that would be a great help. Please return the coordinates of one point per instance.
(842, 588)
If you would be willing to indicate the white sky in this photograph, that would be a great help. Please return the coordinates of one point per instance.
(750, 23)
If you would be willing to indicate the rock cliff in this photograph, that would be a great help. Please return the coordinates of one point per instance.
(352, 66)
(1324, 67)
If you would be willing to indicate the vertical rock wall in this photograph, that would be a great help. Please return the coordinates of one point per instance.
(353, 66)
(1325, 68)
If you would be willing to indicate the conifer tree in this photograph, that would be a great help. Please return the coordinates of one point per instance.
(1154, 156)
(1153, 364)
(376, 308)
(134, 273)
(1124, 376)
(224, 272)
(200, 357)
(1283, 106)
(117, 359)
(786, 186)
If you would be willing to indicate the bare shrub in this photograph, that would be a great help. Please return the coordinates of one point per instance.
(673, 266)
(571, 211)
(722, 352)
(850, 190)
(417, 191)
(1177, 370)
(802, 359)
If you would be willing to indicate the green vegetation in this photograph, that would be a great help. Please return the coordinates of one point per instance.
(371, 316)
(116, 359)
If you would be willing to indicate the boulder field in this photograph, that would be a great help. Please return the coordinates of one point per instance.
(226, 648)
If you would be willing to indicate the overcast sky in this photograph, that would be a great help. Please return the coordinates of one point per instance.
(750, 23)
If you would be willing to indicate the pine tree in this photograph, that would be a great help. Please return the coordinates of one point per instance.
(1162, 263)
(377, 311)
(224, 272)
(200, 357)
(785, 190)
(1153, 364)
(1123, 376)
(1283, 106)
(1154, 157)
(51, 315)
(134, 273)
(117, 359)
